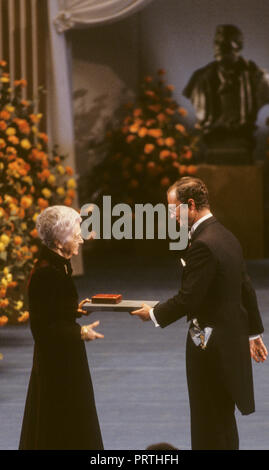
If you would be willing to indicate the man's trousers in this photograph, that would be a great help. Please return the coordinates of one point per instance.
(213, 424)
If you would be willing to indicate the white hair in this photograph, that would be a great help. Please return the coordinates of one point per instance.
(57, 223)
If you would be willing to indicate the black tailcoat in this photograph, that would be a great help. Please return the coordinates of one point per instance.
(60, 410)
(217, 291)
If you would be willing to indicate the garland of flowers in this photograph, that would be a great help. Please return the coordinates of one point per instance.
(31, 179)
(149, 149)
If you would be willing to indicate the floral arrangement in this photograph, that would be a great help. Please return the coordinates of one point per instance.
(31, 179)
(149, 148)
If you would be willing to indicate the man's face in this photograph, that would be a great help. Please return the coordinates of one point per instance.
(226, 49)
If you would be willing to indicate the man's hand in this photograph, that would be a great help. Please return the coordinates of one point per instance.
(80, 310)
(258, 349)
(89, 334)
(143, 312)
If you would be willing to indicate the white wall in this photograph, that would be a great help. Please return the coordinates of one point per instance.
(177, 35)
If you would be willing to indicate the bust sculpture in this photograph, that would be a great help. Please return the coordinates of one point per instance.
(227, 95)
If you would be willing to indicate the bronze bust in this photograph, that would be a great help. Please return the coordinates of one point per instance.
(227, 95)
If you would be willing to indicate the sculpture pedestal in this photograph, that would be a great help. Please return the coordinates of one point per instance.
(236, 200)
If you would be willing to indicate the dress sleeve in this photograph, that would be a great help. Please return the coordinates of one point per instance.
(49, 316)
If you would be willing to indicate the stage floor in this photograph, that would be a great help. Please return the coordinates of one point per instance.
(138, 370)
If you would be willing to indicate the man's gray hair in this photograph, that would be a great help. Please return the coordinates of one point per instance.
(57, 223)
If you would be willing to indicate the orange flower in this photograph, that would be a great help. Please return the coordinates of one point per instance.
(13, 139)
(42, 203)
(148, 148)
(150, 93)
(2, 143)
(3, 318)
(3, 292)
(170, 141)
(25, 103)
(161, 117)
(170, 111)
(34, 233)
(21, 83)
(17, 240)
(191, 170)
(170, 87)
(161, 72)
(183, 169)
(160, 142)
(148, 79)
(154, 107)
(130, 138)
(57, 159)
(180, 128)
(3, 126)
(4, 115)
(133, 184)
(155, 133)
(182, 111)
(187, 154)
(21, 213)
(26, 201)
(164, 154)
(71, 193)
(142, 132)
(68, 201)
(137, 112)
(150, 122)
(3, 63)
(43, 137)
(165, 181)
(24, 317)
(69, 170)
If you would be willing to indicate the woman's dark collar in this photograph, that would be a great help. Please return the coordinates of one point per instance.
(55, 258)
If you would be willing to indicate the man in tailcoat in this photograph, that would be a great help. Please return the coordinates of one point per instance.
(217, 298)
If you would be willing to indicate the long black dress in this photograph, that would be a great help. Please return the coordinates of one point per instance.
(60, 410)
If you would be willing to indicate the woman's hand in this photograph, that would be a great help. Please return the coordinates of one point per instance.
(89, 334)
(80, 309)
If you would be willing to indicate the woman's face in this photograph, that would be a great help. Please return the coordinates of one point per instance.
(71, 247)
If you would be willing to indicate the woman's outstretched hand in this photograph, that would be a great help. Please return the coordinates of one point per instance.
(89, 334)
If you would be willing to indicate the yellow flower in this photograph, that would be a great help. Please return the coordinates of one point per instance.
(34, 129)
(61, 191)
(10, 108)
(35, 216)
(24, 226)
(1, 165)
(11, 131)
(28, 179)
(6, 270)
(2, 248)
(5, 239)
(19, 305)
(26, 144)
(1, 357)
(51, 179)
(9, 278)
(61, 169)
(4, 79)
(71, 183)
(46, 193)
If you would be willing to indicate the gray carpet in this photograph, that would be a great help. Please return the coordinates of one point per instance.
(138, 370)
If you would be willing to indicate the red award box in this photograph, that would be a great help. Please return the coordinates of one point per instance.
(106, 299)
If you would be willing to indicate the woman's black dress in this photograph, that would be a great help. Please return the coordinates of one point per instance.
(60, 410)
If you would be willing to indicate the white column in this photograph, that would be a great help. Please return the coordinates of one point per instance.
(60, 106)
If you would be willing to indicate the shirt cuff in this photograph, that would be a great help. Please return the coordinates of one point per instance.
(152, 316)
(255, 337)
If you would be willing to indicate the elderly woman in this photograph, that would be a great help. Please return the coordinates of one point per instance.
(60, 410)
